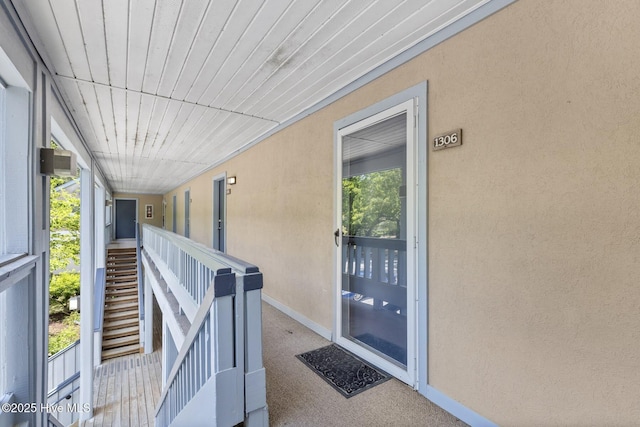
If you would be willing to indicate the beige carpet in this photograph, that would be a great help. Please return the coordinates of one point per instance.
(299, 397)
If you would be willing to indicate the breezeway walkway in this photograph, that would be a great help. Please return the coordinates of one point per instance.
(126, 389)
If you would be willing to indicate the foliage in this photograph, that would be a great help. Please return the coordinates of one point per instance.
(61, 288)
(68, 335)
(65, 226)
(371, 204)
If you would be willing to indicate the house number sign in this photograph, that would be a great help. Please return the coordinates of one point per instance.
(449, 139)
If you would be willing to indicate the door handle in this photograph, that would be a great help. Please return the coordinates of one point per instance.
(336, 234)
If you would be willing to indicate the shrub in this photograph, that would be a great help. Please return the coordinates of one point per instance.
(61, 288)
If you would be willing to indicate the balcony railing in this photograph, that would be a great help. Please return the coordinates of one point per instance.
(373, 267)
(218, 367)
(64, 383)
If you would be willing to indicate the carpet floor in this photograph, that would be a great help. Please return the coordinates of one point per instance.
(298, 397)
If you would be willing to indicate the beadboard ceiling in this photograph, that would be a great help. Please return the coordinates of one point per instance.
(165, 89)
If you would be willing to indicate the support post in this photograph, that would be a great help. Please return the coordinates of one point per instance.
(87, 269)
(148, 315)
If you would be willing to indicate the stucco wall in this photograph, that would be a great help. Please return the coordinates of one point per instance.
(534, 223)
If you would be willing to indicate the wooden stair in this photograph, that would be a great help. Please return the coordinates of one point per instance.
(121, 328)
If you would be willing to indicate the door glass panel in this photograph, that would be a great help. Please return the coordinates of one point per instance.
(374, 245)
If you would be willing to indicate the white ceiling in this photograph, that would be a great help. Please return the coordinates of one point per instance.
(164, 89)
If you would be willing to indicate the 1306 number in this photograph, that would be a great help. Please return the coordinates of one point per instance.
(449, 139)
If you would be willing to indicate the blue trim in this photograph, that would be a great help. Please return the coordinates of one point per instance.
(64, 350)
(63, 384)
(460, 25)
(139, 270)
(422, 233)
(98, 298)
(458, 409)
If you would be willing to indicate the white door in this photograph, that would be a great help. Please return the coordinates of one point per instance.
(375, 235)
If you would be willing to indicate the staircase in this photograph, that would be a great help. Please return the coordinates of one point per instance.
(121, 328)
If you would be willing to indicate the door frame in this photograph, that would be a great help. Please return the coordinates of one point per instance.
(174, 213)
(115, 214)
(186, 231)
(416, 374)
(219, 178)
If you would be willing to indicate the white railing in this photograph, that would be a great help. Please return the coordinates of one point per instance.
(63, 402)
(64, 383)
(180, 263)
(63, 365)
(218, 369)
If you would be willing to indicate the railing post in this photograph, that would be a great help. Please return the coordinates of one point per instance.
(219, 359)
(256, 413)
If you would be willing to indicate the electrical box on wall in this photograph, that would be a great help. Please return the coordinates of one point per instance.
(58, 162)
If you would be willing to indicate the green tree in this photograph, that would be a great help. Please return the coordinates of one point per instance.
(64, 226)
(64, 214)
(371, 204)
(61, 288)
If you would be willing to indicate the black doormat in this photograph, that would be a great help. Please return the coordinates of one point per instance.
(342, 370)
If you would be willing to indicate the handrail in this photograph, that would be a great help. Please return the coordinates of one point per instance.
(140, 275)
(98, 304)
(52, 421)
(376, 242)
(190, 265)
(224, 285)
(223, 260)
(58, 370)
(67, 391)
(63, 384)
(64, 350)
(374, 259)
(15, 268)
(219, 362)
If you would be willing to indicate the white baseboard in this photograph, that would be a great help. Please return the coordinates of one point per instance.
(457, 409)
(320, 330)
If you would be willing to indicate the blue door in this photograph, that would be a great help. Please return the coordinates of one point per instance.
(126, 219)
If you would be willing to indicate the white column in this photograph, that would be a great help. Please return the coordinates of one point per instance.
(100, 227)
(100, 260)
(148, 315)
(87, 279)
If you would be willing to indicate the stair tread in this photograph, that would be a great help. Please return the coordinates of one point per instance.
(120, 351)
(129, 278)
(119, 323)
(109, 332)
(116, 284)
(121, 294)
(131, 310)
(121, 299)
(121, 272)
(117, 315)
(123, 290)
(120, 341)
(113, 307)
(122, 282)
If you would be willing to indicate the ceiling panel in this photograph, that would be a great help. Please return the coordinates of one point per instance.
(141, 14)
(162, 90)
(160, 40)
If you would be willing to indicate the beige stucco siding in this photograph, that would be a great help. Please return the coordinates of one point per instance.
(534, 223)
